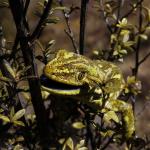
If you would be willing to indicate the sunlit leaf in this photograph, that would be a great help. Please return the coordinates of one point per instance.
(81, 146)
(61, 141)
(131, 79)
(18, 147)
(69, 143)
(129, 43)
(61, 8)
(78, 125)
(111, 115)
(4, 4)
(20, 123)
(108, 133)
(18, 115)
(143, 36)
(4, 118)
(20, 139)
(5, 79)
(52, 20)
(9, 69)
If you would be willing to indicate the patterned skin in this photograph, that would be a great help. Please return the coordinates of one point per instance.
(97, 83)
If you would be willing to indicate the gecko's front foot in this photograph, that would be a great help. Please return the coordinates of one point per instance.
(127, 115)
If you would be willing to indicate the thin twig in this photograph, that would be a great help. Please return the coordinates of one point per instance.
(132, 9)
(70, 35)
(137, 51)
(105, 17)
(143, 59)
(69, 32)
(82, 25)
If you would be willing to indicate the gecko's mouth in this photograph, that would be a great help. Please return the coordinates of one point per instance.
(58, 87)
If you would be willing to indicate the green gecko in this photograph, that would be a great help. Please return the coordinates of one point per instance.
(97, 83)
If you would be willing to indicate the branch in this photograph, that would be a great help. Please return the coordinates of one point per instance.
(105, 17)
(34, 84)
(24, 9)
(69, 32)
(135, 70)
(143, 59)
(132, 9)
(82, 25)
(39, 27)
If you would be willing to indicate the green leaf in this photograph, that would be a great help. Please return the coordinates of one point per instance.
(9, 69)
(131, 79)
(18, 147)
(5, 79)
(4, 4)
(20, 123)
(115, 53)
(108, 133)
(1, 110)
(123, 51)
(81, 146)
(52, 20)
(78, 125)
(129, 43)
(18, 115)
(123, 23)
(61, 8)
(111, 115)
(61, 141)
(143, 36)
(50, 44)
(69, 143)
(4, 118)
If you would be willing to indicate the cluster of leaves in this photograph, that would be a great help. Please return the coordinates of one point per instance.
(124, 32)
(75, 128)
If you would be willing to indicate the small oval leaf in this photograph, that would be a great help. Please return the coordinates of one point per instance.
(19, 123)
(4, 118)
(111, 115)
(78, 125)
(18, 115)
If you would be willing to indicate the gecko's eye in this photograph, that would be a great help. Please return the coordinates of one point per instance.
(81, 75)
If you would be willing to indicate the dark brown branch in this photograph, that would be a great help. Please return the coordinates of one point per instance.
(135, 70)
(34, 84)
(143, 59)
(24, 9)
(118, 14)
(82, 25)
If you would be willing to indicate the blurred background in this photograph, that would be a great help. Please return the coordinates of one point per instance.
(97, 37)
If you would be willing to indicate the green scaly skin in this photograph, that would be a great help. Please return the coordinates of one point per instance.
(89, 79)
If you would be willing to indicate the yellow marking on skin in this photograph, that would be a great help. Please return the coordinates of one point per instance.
(98, 90)
(117, 76)
(99, 74)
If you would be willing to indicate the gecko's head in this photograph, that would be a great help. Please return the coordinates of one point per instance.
(70, 69)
